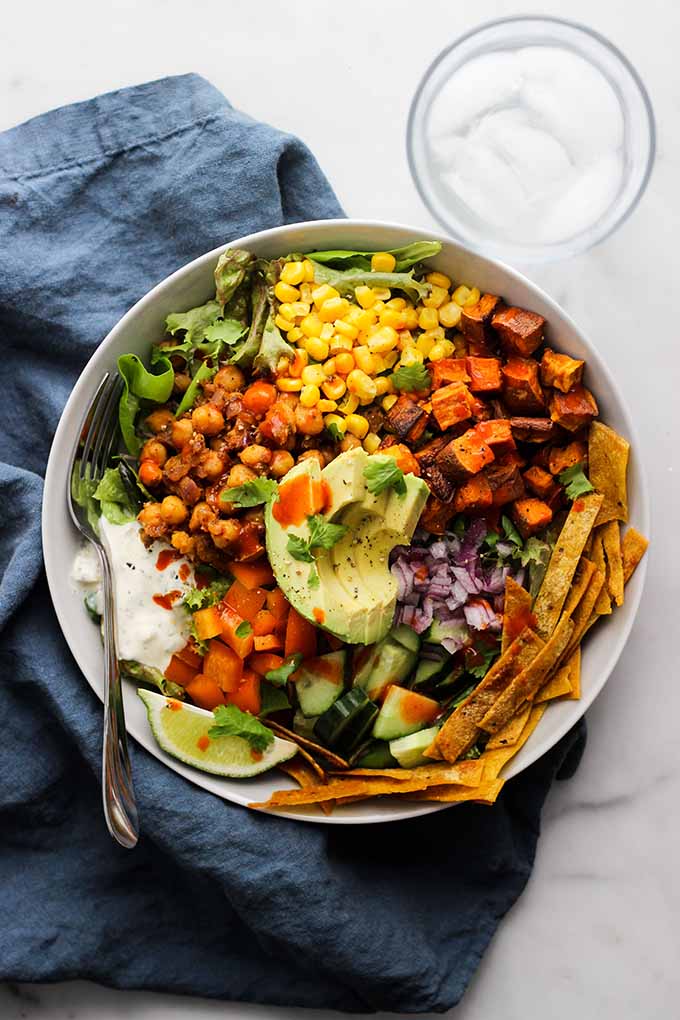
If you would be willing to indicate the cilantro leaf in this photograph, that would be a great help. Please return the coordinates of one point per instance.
(334, 432)
(230, 721)
(383, 473)
(323, 534)
(575, 481)
(488, 654)
(244, 629)
(299, 549)
(534, 551)
(313, 579)
(411, 378)
(510, 531)
(282, 673)
(474, 752)
(254, 493)
(210, 595)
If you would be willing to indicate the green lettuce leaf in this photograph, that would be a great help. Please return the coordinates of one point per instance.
(205, 371)
(194, 322)
(346, 281)
(152, 677)
(140, 384)
(272, 348)
(406, 257)
(114, 498)
(231, 270)
(230, 721)
(244, 354)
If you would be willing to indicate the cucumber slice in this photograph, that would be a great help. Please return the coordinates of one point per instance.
(377, 756)
(409, 751)
(407, 637)
(357, 730)
(319, 682)
(426, 670)
(404, 712)
(330, 726)
(392, 665)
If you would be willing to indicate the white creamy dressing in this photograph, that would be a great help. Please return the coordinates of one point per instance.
(146, 632)
(530, 141)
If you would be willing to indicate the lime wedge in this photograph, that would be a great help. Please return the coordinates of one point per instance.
(182, 731)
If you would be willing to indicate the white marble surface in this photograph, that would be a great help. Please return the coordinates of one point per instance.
(597, 932)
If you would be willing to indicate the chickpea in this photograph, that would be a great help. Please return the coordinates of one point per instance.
(181, 432)
(182, 382)
(255, 457)
(230, 378)
(239, 475)
(309, 420)
(183, 542)
(150, 473)
(201, 516)
(157, 420)
(349, 442)
(155, 451)
(207, 419)
(173, 510)
(225, 533)
(210, 465)
(281, 463)
(313, 455)
(150, 516)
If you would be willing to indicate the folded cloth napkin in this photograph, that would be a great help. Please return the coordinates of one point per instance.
(98, 202)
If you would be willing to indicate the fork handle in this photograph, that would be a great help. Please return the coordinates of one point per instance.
(120, 808)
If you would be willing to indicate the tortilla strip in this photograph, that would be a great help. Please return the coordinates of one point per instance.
(603, 603)
(511, 732)
(633, 548)
(585, 611)
(342, 788)
(557, 686)
(303, 742)
(311, 762)
(460, 730)
(494, 761)
(529, 680)
(574, 664)
(563, 562)
(465, 773)
(611, 541)
(485, 793)
(607, 466)
(582, 578)
(304, 773)
(516, 610)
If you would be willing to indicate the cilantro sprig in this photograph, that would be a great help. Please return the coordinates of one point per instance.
(230, 721)
(411, 378)
(254, 493)
(279, 676)
(575, 481)
(383, 473)
(244, 630)
(322, 535)
(210, 595)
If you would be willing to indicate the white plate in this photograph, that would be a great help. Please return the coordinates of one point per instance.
(192, 285)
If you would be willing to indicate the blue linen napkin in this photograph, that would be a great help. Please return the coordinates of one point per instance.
(98, 202)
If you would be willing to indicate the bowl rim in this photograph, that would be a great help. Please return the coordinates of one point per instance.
(56, 482)
(538, 254)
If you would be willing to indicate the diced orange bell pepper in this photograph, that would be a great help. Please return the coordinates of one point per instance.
(263, 662)
(223, 665)
(253, 575)
(247, 695)
(278, 604)
(207, 623)
(178, 672)
(247, 602)
(264, 623)
(189, 655)
(300, 636)
(268, 642)
(231, 621)
(205, 692)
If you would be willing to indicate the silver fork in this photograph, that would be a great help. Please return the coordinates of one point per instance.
(93, 448)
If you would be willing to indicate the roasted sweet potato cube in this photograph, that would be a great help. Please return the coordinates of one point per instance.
(464, 456)
(497, 434)
(573, 410)
(479, 409)
(404, 458)
(406, 417)
(560, 371)
(485, 374)
(512, 457)
(440, 486)
(450, 404)
(473, 321)
(521, 389)
(427, 454)
(540, 482)
(520, 331)
(436, 516)
(506, 483)
(532, 430)
(448, 370)
(562, 457)
(530, 516)
(475, 494)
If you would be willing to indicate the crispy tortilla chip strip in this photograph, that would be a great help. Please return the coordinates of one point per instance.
(485, 793)
(582, 578)
(557, 686)
(312, 764)
(516, 613)
(343, 788)
(611, 541)
(305, 773)
(633, 548)
(303, 742)
(603, 603)
(511, 732)
(584, 614)
(494, 760)
(460, 730)
(563, 562)
(529, 680)
(574, 664)
(465, 773)
(607, 465)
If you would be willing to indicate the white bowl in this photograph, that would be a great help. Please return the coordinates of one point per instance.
(192, 285)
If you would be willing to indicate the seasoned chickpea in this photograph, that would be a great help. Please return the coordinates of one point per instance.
(207, 419)
(150, 516)
(157, 420)
(201, 516)
(313, 455)
(181, 432)
(182, 382)
(225, 533)
(349, 442)
(281, 463)
(150, 473)
(183, 542)
(309, 420)
(153, 450)
(173, 510)
(256, 457)
(210, 466)
(239, 475)
(230, 378)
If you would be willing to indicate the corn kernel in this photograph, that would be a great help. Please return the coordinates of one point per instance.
(397, 303)
(344, 362)
(428, 318)
(383, 262)
(435, 335)
(293, 273)
(425, 343)
(384, 340)
(327, 331)
(334, 308)
(391, 317)
(317, 348)
(295, 335)
(391, 359)
(313, 375)
(371, 442)
(284, 292)
(335, 419)
(379, 364)
(311, 325)
(461, 294)
(298, 309)
(382, 386)
(436, 297)
(287, 385)
(365, 319)
(449, 349)
(361, 385)
(437, 352)
(323, 293)
(449, 314)
(339, 345)
(365, 296)
(346, 329)
(364, 359)
(357, 425)
(410, 318)
(349, 404)
(326, 405)
(439, 280)
(309, 271)
(334, 388)
(473, 297)
(294, 368)
(284, 325)
(310, 396)
(306, 293)
(378, 307)
(330, 367)
(411, 356)
(382, 293)
(389, 401)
